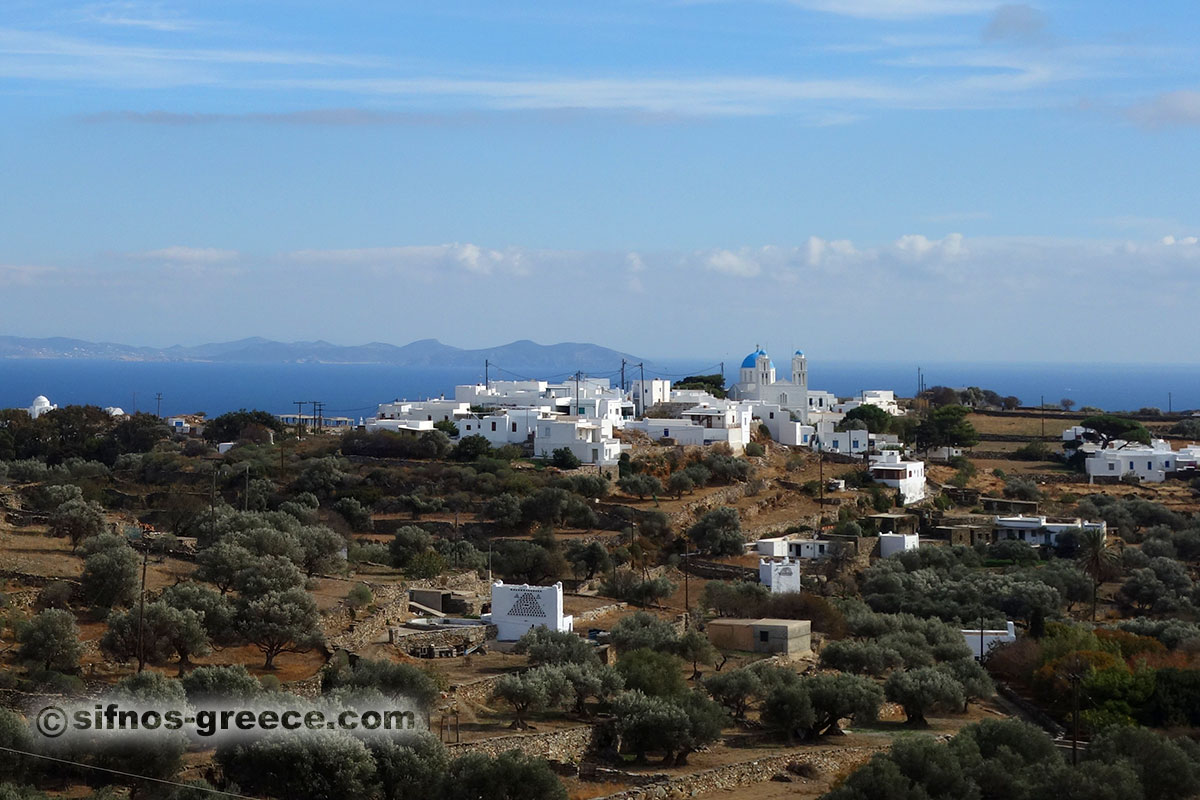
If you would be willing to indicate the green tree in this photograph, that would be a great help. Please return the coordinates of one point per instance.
(588, 559)
(841, 696)
(215, 611)
(509, 776)
(875, 418)
(222, 563)
(534, 690)
(407, 543)
(734, 690)
(1108, 428)
(564, 458)
(718, 532)
(652, 673)
(1098, 558)
(50, 640)
(221, 683)
(280, 622)
(922, 690)
(315, 765)
(77, 519)
(471, 448)
(946, 426)
(789, 709)
(320, 550)
(412, 767)
(641, 630)
(228, 427)
(110, 572)
(158, 632)
(545, 646)
(641, 485)
(695, 647)
(680, 483)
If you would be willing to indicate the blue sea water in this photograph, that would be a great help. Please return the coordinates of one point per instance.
(354, 390)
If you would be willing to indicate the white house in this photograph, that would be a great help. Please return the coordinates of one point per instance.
(890, 469)
(892, 543)
(781, 575)
(810, 548)
(517, 609)
(649, 393)
(783, 428)
(591, 440)
(40, 406)
(439, 410)
(683, 432)
(179, 425)
(411, 427)
(507, 426)
(1040, 530)
(1149, 463)
(774, 546)
(723, 421)
(981, 641)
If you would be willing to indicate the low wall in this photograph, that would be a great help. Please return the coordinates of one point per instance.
(567, 746)
(833, 760)
(408, 639)
(478, 691)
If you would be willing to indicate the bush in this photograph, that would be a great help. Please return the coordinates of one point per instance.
(755, 450)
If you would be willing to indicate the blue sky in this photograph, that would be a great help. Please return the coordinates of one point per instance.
(901, 179)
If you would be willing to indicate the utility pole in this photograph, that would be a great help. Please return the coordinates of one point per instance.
(1043, 403)
(578, 411)
(212, 506)
(1169, 407)
(1074, 679)
(487, 381)
(299, 417)
(135, 402)
(246, 493)
(642, 367)
(158, 404)
(622, 375)
(319, 415)
(142, 607)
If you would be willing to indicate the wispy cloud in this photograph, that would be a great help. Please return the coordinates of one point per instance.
(897, 9)
(178, 254)
(1018, 22)
(147, 16)
(1167, 109)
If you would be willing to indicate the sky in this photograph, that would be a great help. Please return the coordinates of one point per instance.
(864, 179)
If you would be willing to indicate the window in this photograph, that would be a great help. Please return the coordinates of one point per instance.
(764, 636)
(514, 427)
(772, 415)
(493, 426)
(1149, 465)
(1112, 467)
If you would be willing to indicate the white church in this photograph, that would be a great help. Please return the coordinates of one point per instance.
(757, 381)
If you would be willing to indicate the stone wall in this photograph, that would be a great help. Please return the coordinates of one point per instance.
(478, 691)
(567, 746)
(600, 611)
(408, 639)
(830, 761)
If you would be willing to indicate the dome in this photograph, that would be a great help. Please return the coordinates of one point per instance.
(41, 401)
(749, 361)
(799, 352)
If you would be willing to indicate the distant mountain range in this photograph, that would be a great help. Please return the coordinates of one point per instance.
(425, 353)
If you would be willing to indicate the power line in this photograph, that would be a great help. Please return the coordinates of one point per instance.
(126, 774)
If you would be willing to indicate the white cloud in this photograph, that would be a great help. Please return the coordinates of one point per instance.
(919, 247)
(469, 258)
(14, 275)
(1185, 240)
(190, 255)
(732, 263)
(148, 16)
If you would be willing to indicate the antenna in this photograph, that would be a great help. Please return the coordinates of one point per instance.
(299, 417)
(158, 404)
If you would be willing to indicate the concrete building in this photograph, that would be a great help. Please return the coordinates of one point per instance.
(892, 543)
(810, 548)
(507, 426)
(787, 636)
(1040, 530)
(772, 547)
(590, 440)
(1151, 464)
(517, 609)
(982, 641)
(440, 410)
(650, 393)
(908, 477)
(412, 428)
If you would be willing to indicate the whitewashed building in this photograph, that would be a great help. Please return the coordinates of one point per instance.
(411, 427)
(652, 392)
(810, 548)
(982, 641)
(590, 440)
(779, 574)
(1040, 530)
(757, 381)
(509, 426)
(1150, 464)
(40, 406)
(682, 432)
(908, 477)
(892, 543)
(517, 609)
(439, 410)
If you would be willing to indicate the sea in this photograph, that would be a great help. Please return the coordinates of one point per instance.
(354, 390)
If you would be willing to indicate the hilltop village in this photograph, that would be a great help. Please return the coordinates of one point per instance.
(651, 589)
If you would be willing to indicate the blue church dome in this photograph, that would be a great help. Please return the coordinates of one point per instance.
(748, 362)
(799, 352)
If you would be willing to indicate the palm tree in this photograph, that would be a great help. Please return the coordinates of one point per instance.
(1098, 558)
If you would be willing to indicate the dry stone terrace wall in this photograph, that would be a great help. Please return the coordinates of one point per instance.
(567, 746)
(830, 761)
